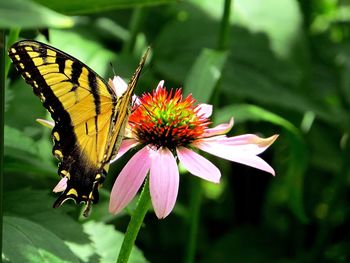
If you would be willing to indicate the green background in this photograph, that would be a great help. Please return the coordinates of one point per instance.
(276, 66)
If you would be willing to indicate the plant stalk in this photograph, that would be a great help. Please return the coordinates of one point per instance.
(135, 223)
(195, 208)
(2, 113)
(224, 32)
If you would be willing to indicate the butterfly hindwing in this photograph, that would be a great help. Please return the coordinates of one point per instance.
(83, 107)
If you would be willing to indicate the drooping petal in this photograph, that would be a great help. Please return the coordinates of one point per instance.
(198, 165)
(119, 85)
(204, 110)
(61, 186)
(164, 182)
(129, 180)
(249, 143)
(125, 146)
(218, 130)
(46, 123)
(245, 154)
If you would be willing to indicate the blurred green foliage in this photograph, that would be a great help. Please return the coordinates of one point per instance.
(286, 70)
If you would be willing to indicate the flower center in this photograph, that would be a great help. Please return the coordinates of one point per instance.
(166, 119)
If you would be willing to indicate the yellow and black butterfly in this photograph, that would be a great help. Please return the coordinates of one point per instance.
(89, 117)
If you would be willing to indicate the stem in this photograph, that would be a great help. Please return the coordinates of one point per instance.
(2, 110)
(339, 191)
(135, 24)
(223, 41)
(135, 223)
(195, 205)
(12, 37)
(224, 27)
(196, 193)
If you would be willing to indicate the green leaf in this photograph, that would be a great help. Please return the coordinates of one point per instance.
(28, 14)
(264, 18)
(204, 74)
(26, 241)
(92, 6)
(26, 154)
(106, 242)
(247, 112)
(15, 139)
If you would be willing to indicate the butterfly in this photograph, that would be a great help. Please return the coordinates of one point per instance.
(89, 117)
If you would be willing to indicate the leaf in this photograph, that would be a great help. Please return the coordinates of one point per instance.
(28, 14)
(26, 241)
(266, 15)
(247, 112)
(92, 6)
(106, 242)
(204, 74)
(19, 141)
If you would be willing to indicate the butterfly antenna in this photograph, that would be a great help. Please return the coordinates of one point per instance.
(111, 64)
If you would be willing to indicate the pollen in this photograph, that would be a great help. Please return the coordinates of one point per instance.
(166, 119)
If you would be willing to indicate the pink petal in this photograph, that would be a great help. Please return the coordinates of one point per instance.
(160, 85)
(218, 130)
(46, 123)
(125, 146)
(129, 180)
(118, 85)
(198, 165)
(164, 182)
(135, 100)
(240, 153)
(61, 186)
(204, 110)
(247, 143)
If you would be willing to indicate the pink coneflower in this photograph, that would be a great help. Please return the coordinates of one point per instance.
(168, 128)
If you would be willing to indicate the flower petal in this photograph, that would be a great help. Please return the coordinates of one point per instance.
(164, 182)
(129, 180)
(160, 85)
(61, 186)
(125, 146)
(118, 85)
(240, 153)
(250, 143)
(198, 165)
(218, 130)
(46, 123)
(204, 110)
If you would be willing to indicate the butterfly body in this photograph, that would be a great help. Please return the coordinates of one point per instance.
(89, 117)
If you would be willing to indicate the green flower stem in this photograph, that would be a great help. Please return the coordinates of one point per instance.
(223, 42)
(12, 37)
(195, 208)
(2, 110)
(135, 223)
(135, 23)
(338, 193)
(225, 26)
(196, 190)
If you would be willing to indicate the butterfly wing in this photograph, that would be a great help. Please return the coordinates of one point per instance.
(82, 106)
